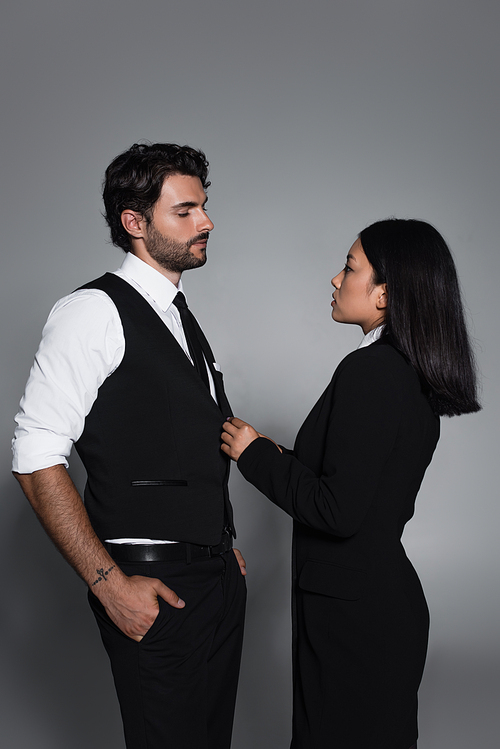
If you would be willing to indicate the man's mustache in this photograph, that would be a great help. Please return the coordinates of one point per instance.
(199, 238)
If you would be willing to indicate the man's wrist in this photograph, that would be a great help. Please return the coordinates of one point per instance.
(106, 581)
(102, 575)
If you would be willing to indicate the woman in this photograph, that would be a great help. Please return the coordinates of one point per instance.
(360, 616)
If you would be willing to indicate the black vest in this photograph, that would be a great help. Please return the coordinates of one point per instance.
(151, 443)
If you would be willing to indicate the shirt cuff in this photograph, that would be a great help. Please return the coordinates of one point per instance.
(33, 453)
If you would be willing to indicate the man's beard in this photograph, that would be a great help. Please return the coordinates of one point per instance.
(172, 255)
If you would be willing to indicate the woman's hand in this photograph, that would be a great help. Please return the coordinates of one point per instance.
(236, 436)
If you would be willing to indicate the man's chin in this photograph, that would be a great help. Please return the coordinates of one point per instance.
(199, 258)
(194, 262)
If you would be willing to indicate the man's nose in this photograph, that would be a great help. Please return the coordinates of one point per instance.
(204, 223)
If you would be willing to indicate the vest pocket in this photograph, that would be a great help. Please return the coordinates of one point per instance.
(159, 482)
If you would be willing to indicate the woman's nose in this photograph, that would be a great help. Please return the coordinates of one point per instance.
(337, 280)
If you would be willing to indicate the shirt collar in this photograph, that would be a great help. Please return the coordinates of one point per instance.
(372, 336)
(151, 281)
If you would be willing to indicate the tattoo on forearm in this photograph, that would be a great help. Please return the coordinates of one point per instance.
(103, 574)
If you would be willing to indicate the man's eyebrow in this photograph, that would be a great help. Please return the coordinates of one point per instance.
(188, 204)
(351, 257)
(185, 204)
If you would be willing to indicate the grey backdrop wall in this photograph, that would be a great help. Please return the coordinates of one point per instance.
(317, 118)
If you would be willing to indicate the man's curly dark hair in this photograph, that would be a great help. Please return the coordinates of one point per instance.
(135, 178)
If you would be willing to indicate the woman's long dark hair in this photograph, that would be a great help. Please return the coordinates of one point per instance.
(424, 316)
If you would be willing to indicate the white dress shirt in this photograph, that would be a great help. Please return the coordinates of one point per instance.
(372, 336)
(82, 344)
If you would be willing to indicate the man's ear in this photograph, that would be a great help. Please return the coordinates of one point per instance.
(382, 296)
(133, 223)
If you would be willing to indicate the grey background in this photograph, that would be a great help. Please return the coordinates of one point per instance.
(318, 118)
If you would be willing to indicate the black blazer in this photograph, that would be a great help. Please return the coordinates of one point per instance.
(360, 618)
(358, 461)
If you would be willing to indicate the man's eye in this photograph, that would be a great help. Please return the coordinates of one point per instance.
(183, 214)
(346, 268)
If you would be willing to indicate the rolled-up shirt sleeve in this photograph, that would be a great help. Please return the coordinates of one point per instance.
(82, 344)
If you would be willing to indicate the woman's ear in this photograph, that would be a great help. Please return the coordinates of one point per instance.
(133, 223)
(382, 296)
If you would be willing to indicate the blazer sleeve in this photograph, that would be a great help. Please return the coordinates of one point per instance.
(360, 434)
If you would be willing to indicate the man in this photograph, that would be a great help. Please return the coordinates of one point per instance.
(125, 373)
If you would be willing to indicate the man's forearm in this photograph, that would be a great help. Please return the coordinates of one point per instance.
(60, 509)
(131, 602)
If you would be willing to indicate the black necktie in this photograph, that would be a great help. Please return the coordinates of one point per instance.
(193, 343)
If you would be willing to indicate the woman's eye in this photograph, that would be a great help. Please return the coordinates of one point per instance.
(346, 268)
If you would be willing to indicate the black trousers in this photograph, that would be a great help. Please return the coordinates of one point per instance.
(177, 687)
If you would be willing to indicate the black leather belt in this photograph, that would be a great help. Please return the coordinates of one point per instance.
(167, 552)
